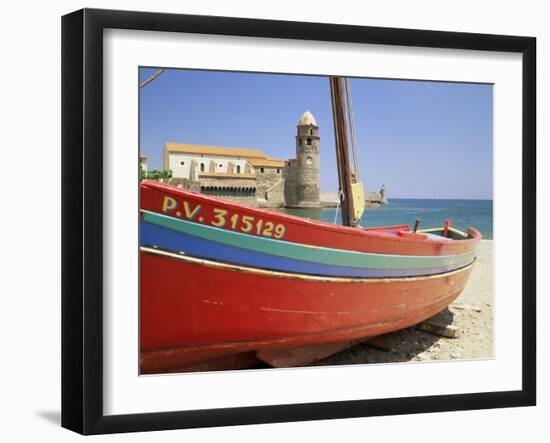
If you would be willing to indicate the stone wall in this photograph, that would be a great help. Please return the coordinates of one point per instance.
(228, 181)
(244, 197)
(290, 171)
(270, 189)
(229, 187)
(373, 197)
(192, 185)
(307, 178)
(265, 190)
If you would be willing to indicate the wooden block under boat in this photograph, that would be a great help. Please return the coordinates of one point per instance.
(448, 331)
(302, 355)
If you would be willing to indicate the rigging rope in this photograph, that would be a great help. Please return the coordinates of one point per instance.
(338, 159)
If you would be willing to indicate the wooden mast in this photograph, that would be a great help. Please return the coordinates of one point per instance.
(342, 151)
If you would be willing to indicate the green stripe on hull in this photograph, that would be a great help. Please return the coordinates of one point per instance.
(315, 254)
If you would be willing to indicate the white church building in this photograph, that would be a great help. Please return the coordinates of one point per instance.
(189, 161)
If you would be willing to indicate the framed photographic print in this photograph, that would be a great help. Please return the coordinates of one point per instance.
(269, 221)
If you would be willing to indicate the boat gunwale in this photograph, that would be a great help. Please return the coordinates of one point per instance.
(476, 235)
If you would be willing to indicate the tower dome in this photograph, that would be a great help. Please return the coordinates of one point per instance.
(307, 119)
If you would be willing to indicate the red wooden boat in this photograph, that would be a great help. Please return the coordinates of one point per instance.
(194, 311)
(203, 314)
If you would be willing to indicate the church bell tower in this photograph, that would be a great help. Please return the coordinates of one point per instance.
(307, 189)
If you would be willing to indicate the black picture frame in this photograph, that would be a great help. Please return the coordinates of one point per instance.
(82, 218)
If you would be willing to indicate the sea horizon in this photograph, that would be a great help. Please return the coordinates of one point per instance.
(432, 212)
(423, 198)
(438, 198)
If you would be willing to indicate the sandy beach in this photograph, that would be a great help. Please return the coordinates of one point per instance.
(469, 317)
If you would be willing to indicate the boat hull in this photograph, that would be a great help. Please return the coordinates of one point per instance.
(194, 310)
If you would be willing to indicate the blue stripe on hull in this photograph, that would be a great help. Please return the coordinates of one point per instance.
(164, 238)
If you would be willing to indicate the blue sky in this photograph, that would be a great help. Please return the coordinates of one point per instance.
(420, 139)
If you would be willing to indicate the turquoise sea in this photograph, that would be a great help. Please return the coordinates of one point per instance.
(431, 212)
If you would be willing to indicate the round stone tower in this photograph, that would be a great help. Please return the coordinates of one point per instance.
(307, 181)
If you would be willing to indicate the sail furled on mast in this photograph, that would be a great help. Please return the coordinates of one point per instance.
(351, 189)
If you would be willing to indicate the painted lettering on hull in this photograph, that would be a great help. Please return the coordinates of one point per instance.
(222, 218)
